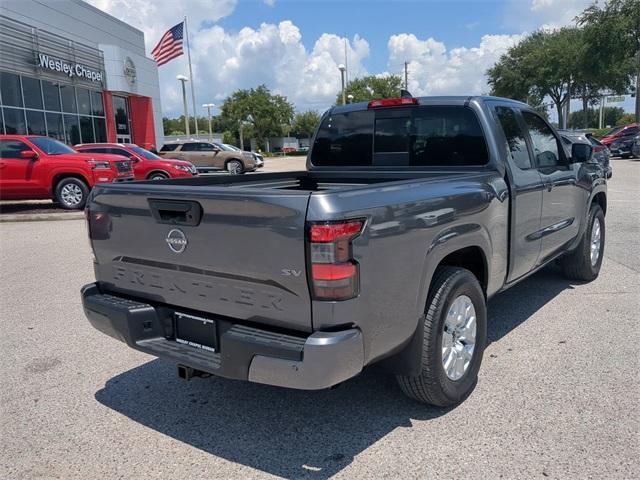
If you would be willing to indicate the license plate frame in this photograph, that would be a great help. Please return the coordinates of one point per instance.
(196, 332)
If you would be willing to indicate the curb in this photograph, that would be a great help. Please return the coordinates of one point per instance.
(41, 217)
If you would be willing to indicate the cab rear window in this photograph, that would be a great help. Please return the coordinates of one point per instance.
(429, 136)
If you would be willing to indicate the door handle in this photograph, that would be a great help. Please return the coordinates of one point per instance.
(548, 185)
(3, 164)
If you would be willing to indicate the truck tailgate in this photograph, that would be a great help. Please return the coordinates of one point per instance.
(244, 259)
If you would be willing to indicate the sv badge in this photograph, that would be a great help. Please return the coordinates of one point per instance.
(289, 273)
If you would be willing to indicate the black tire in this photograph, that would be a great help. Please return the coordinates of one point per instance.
(229, 167)
(158, 176)
(432, 385)
(577, 265)
(71, 193)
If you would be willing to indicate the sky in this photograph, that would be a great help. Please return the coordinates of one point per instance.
(295, 46)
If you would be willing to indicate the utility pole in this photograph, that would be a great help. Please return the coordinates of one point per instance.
(343, 69)
(406, 75)
(209, 106)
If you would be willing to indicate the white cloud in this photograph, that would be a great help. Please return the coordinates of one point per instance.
(436, 70)
(274, 55)
(545, 14)
(226, 61)
(154, 17)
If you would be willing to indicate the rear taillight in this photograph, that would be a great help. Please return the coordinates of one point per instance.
(334, 272)
(598, 149)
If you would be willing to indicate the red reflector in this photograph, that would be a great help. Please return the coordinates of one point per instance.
(392, 102)
(331, 271)
(598, 148)
(333, 231)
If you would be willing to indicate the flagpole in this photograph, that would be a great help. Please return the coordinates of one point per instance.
(193, 91)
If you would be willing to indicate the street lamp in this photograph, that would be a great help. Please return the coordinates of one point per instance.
(209, 106)
(342, 69)
(248, 120)
(350, 98)
(183, 80)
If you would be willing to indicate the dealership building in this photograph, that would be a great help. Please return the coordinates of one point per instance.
(70, 71)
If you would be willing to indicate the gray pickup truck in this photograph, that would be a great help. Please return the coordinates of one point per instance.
(412, 213)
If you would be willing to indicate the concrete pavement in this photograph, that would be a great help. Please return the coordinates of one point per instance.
(558, 394)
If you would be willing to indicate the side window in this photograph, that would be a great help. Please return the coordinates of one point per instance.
(190, 147)
(515, 137)
(631, 131)
(205, 147)
(95, 150)
(169, 147)
(545, 144)
(447, 136)
(12, 148)
(120, 151)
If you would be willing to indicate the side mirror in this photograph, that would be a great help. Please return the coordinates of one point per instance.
(581, 153)
(28, 155)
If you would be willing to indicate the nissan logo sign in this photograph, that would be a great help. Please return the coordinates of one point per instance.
(177, 240)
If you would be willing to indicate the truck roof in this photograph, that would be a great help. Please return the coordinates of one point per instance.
(432, 100)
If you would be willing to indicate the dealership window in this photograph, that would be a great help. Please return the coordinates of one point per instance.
(10, 90)
(14, 123)
(67, 113)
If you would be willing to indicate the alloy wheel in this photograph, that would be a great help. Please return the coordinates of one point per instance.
(459, 337)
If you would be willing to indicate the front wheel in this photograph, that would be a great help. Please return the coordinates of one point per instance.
(234, 167)
(158, 176)
(585, 261)
(71, 193)
(454, 338)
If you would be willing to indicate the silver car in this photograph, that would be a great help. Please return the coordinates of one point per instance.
(600, 152)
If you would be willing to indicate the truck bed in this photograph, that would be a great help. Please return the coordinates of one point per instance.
(304, 181)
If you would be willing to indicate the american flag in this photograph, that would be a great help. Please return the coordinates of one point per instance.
(169, 46)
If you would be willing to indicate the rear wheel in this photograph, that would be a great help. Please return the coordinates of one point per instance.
(585, 261)
(71, 193)
(455, 334)
(234, 167)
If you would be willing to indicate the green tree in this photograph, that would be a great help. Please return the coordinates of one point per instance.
(228, 137)
(613, 35)
(372, 87)
(625, 119)
(543, 64)
(304, 124)
(611, 116)
(262, 113)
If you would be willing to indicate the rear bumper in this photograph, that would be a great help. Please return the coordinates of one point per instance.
(318, 361)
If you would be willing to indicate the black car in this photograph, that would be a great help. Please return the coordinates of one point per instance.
(635, 149)
(623, 147)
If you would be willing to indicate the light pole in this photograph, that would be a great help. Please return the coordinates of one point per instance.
(342, 69)
(209, 106)
(249, 119)
(183, 80)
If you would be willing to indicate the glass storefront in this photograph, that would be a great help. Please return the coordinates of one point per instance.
(40, 107)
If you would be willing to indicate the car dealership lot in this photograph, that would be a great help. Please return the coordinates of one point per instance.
(558, 394)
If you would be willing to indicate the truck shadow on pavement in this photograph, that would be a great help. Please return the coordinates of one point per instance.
(290, 433)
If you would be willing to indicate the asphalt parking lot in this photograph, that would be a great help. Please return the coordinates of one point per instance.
(558, 394)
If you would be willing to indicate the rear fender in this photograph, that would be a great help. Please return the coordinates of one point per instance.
(408, 361)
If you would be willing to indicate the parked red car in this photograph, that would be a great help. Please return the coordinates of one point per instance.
(36, 167)
(146, 165)
(619, 132)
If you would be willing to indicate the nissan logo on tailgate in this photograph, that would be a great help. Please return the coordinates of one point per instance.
(177, 240)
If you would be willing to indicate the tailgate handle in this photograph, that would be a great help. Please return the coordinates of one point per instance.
(176, 212)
